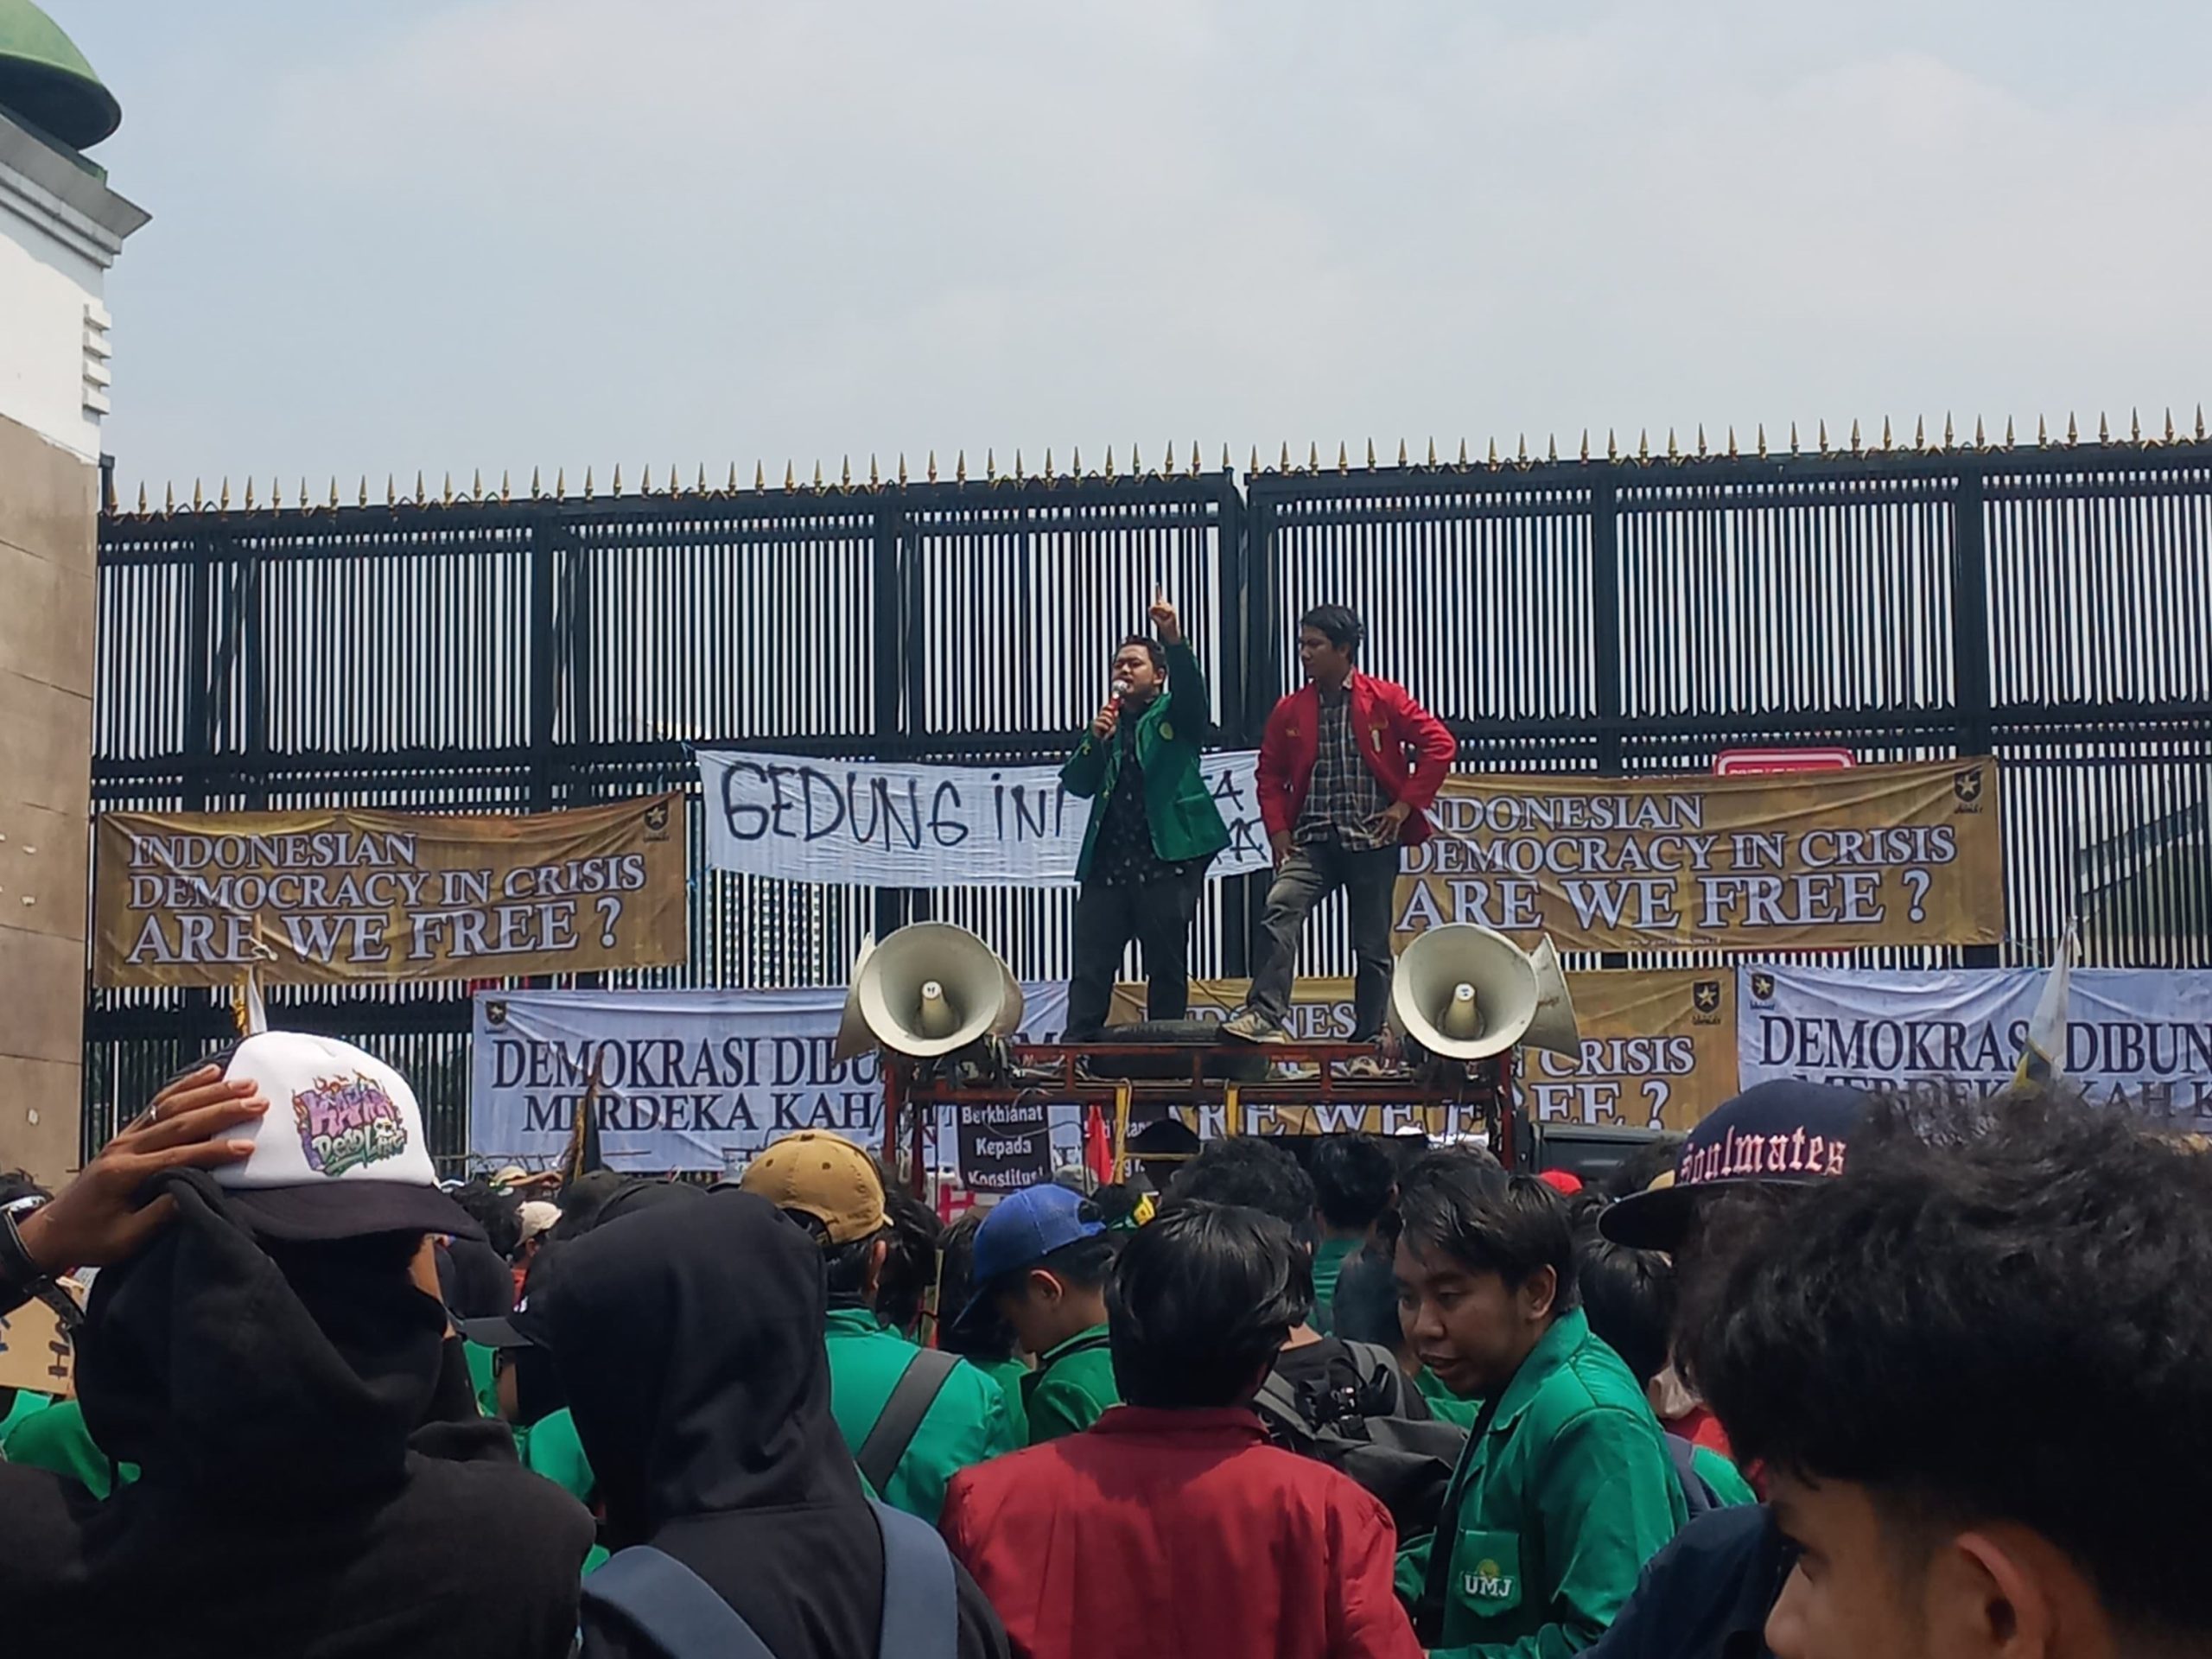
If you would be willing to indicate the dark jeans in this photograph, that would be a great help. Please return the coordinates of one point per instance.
(1157, 915)
(1307, 876)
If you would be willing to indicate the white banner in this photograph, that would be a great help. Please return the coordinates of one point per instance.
(2140, 1038)
(871, 823)
(688, 1079)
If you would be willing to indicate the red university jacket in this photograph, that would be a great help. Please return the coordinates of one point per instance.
(1386, 722)
(1178, 1532)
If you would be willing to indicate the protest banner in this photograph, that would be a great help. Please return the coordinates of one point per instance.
(698, 1080)
(340, 895)
(1004, 1146)
(35, 1352)
(2137, 1038)
(877, 823)
(1658, 1051)
(1902, 855)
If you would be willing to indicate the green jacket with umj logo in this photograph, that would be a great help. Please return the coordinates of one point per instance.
(1554, 1511)
(1170, 734)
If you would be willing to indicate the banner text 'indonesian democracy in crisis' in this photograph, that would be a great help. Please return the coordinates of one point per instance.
(1894, 855)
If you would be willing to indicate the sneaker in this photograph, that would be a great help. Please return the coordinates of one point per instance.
(1369, 1069)
(1253, 1026)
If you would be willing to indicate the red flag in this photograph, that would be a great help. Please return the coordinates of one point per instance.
(1097, 1144)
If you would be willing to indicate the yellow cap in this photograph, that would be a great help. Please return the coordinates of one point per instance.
(824, 1176)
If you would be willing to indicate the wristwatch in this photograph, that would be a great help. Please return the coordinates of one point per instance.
(22, 1279)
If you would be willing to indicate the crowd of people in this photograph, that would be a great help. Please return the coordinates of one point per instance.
(1834, 1376)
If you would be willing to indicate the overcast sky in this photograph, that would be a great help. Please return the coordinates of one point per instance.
(421, 234)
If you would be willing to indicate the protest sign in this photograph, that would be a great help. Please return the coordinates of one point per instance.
(2138, 1038)
(1904, 854)
(1658, 1051)
(195, 898)
(35, 1352)
(1005, 1145)
(688, 1079)
(875, 824)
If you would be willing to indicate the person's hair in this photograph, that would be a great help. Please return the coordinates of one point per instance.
(1642, 1165)
(18, 1184)
(1248, 1171)
(1200, 1304)
(1117, 1202)
(2002, 1310)
(1488, 1220)
(1629, 1297)
(1340, 624)
(1352, 1177)
(582, 1199)
(910, 1266)
(1150, 648)
(497, 1213)
(1086, 1263)
(987, 1336)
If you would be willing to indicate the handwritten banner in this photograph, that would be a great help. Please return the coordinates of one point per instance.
(688, 1079)
(1658, 1051)
(2135, 1037)
(194, 898)
(1876, 855)
(872, 823)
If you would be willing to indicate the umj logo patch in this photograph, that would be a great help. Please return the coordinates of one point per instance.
(1487, 1582)
(346, 1123)
(1705, 995)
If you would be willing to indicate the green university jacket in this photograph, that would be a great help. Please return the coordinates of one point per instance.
(1072, 1388)
(1558, 1507)
(967, 1422)
(1171, 732)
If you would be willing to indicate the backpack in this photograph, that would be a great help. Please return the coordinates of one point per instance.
(1366, 1433)
(916, 1391)
(677, 1612)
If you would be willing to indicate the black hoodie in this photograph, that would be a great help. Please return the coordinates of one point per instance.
(690, 1338)
(315, 1482)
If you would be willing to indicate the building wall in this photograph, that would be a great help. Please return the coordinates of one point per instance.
(60, 227)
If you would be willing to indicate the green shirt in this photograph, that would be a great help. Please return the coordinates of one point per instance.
(1329, 1258)
(550, 1448)
(1072, 1386)
(56, 1438)
(1444, 1405)
(26, 1401)
(1010, 1373)
(967, 1422)
(1540, 1566)
(1726, 1480)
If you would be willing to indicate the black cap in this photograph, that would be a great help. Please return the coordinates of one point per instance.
(1787, 1132)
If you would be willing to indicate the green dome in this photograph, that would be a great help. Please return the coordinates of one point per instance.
(45, 79)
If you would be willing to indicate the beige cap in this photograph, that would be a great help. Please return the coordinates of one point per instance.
(824, 1176)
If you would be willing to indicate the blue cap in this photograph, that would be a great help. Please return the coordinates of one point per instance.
(1021, 1231)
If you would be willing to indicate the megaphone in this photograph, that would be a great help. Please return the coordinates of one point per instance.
(1467, 993)
(930, 989)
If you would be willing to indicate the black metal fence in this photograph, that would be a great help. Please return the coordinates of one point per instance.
(2049, 605)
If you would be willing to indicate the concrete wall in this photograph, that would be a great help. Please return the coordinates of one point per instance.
(48, 520)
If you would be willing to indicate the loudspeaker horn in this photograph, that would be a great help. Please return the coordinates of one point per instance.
(930, 989)
(1464, 991)
(1555, 1028)
(853, 1039)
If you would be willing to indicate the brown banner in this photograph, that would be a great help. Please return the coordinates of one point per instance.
(194, 898)
(1906, 855)
(1658, 1051)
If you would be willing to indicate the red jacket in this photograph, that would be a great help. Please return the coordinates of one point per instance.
(1178, 1532)
(1387, 722)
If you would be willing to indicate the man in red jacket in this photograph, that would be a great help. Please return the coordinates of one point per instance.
(1339, 797)
(1175, 1500)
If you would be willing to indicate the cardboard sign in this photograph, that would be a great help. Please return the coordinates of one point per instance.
(1873, 855)
(195, 898)
(1658, 1051)
(1005, 1145)
(35, 1352)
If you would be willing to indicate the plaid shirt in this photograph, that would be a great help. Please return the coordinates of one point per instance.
(1344, 794)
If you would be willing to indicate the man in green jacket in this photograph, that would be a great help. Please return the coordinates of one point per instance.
(832, 1188)
(1153, 827)
(1566, 1488)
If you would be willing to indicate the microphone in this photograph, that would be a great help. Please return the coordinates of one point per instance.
(1121, 690)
